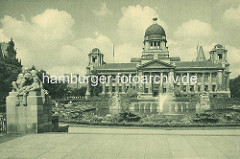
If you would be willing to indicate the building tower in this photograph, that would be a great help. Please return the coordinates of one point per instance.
(95, 57)
(155, 43)
(218, 54)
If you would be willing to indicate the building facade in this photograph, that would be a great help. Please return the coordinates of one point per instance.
(212, 74)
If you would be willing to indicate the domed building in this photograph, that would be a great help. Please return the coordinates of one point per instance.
(212, 75)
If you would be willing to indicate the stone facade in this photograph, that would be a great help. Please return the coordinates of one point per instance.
(212, 74)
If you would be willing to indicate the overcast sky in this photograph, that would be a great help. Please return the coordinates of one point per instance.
(57, 35)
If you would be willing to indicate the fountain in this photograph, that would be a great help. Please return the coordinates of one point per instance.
(114, 107)
(164, 101)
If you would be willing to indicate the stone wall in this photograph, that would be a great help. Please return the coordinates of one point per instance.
(35, 117)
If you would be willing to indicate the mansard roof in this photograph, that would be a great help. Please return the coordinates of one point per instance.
(197, 64)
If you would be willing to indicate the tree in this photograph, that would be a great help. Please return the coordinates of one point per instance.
(55, 90)
(131, 93)
(95, 90)
(7, 76)
(234, 85)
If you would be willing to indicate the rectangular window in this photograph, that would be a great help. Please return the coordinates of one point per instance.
(206, 88)
(213, 88)
(191, 88)
(107, 89)
(120, 88)
(113, 89)
(199, 88)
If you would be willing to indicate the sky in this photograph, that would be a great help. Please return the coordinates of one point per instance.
(57, 35)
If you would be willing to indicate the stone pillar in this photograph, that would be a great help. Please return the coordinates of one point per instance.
(210, 82)
(150, 83)
(117, 86)
(141, 85)
(110, 85)
(104, 88)
(35, 117)
(188, 84)
(202, 82)
(160, 85)
(181, 83)
(220, 79)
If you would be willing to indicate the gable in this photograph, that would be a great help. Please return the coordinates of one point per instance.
(155, 64)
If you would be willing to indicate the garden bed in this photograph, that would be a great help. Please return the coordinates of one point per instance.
(226, 118)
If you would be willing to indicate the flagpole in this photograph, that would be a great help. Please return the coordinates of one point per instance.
(113, 53)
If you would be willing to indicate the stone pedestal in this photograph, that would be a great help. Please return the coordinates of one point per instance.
(35, 117)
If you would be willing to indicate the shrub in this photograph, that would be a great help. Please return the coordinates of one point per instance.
(131, 93)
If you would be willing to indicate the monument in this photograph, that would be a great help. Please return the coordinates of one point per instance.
(28, 106)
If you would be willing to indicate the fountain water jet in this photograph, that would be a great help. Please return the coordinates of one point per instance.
(164, 101)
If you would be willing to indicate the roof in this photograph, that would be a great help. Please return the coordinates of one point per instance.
(95, 50)
(175, 59)
(135, 59)
(218, 46)
(117, 66)
(197, 64)
(155, 29)
(200, 55)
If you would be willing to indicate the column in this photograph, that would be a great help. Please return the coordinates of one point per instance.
(141, 85)
(210, 82)
(110, 85)
(188, 84)
(195, 85)
(202, 82)
(220, 80)
(161, 85)
(181, 83)
(150, 84)
(117, 86)
(104, 88)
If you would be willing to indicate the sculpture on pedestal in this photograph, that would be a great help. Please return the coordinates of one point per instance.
(27, 81)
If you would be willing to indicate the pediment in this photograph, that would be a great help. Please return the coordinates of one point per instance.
(155, 64)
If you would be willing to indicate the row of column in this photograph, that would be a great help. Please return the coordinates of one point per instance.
(218, 82)
(169, 85)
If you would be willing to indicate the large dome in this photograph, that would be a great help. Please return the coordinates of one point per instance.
(155, 29)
